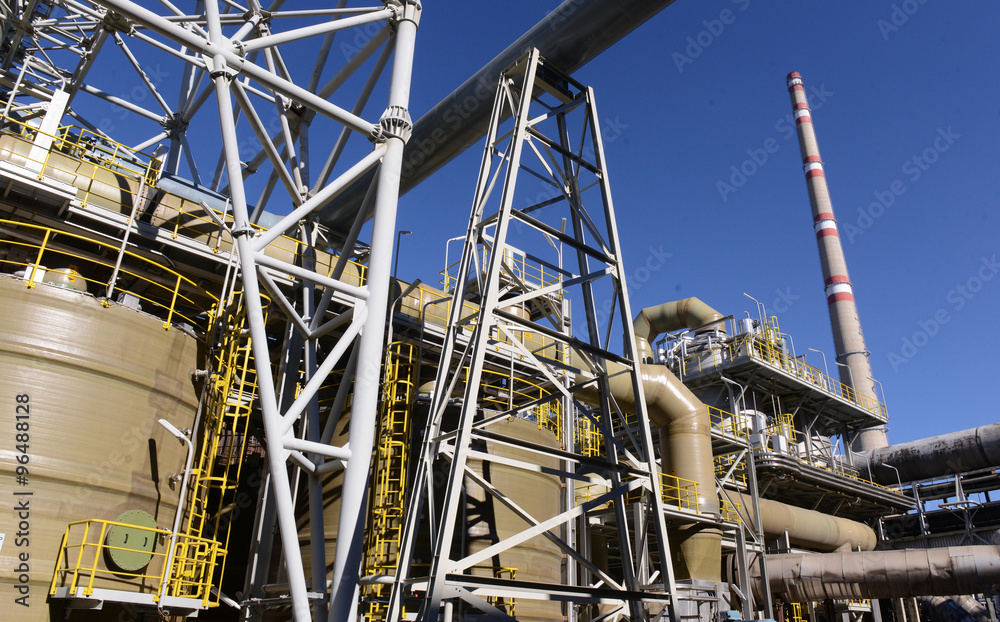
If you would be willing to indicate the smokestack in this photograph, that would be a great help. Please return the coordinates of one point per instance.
(847, 336)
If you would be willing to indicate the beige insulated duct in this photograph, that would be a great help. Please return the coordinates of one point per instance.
(809, 529)
(670, 316)
(881, 574)
(685, 452)
(685, 431)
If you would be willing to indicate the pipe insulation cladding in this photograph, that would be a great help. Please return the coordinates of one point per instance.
(568, 38)
(937, 456)
(808, 528)
(881, 574)
(685, 431)
(847, 336)
(670, 316)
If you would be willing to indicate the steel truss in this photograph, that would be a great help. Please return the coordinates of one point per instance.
(235, 52)
(554, 136)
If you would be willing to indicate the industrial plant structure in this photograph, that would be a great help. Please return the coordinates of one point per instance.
(254, 420)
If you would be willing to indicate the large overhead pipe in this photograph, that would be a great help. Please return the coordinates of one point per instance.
(847, 336)
(568, 38)
(904, 573)
(937, 456)
(809, 529)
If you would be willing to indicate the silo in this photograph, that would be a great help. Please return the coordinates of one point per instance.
(95, 381)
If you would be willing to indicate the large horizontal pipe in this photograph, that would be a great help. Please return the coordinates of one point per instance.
(904, 573)
(937, 456)
(568, 38)
(808, 528)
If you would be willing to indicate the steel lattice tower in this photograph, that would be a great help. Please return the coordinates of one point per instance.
(544, 124)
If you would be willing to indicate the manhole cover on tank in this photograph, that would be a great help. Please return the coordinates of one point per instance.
(131, 545)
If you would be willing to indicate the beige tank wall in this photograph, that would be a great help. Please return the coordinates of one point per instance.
(98, 379)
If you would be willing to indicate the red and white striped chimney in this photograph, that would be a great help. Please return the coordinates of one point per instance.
(847, 336)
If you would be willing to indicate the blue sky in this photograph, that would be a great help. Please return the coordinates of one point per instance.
(699, 92)
(888, 82)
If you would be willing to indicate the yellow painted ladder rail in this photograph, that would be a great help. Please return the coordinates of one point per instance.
(389, 472)
(223, 439)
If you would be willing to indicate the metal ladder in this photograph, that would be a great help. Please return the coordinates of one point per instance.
(389, 475)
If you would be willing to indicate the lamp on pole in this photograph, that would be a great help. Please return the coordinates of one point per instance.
(826, 369)
(883, 395)
(850, 377)
(395, 266)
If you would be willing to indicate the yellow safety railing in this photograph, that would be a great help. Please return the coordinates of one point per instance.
(82, 144)
(765, 347)
(679, 491)
(781, 425)
(506, 392)
(504, 604)
(725, 462)
(84, 549)
(169, 295)
(730, 512)
(390, 466)
(675, 491)
(796, 613)
(729, 424)
(80, 163)
(535, 276)
(588, 437)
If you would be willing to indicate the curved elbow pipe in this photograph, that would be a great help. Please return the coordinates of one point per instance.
(685, 452)
(670, 316)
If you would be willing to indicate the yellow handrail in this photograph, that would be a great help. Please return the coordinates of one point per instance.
(195, 560)
(762, 347)
(196, 301)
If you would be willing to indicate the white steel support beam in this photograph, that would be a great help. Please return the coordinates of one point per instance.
(396, 122)
(218, 45)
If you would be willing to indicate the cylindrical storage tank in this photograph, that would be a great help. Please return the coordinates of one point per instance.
(93, 381)
(488, 520)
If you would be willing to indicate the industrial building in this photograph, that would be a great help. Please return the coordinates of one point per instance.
(255, 420)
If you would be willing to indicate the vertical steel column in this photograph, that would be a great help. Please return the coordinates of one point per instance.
(396, 122)
(847, 336)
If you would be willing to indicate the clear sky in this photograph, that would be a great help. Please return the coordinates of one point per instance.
(689, 100)
(906, 107)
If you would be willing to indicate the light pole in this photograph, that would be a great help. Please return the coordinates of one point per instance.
(850, 376)
(826, 369)
(883, 395)
(395, 266)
